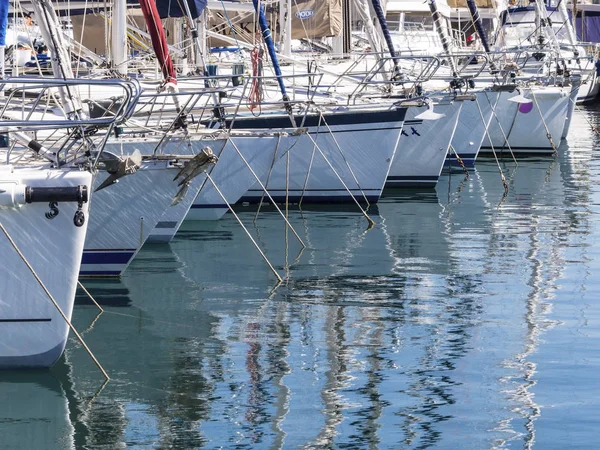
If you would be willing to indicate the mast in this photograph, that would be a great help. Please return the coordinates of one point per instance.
(342, 44)
(59, 50)
(474, 11)
(546, 27)
(438, 23)
(574, 16)
(194, 31)
(287, 34)
(365, 14)
(562, 9)
(118, 42)
(386, 32)
(191, 10)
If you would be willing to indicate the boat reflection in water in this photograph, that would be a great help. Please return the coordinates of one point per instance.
(35, 411)
(423, 331)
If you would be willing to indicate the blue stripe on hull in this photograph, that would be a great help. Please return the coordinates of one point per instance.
(107, 256)
(314, 199)
(423, 181)
(519, 150)
(105, 263)
(100, 273)
(468, 160)
(312, 120)
(210, 206)
(401, 178)
(411, 184)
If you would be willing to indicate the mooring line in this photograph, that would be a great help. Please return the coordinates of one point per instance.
(56, 305)
(267, 192)
(492, 147)
(279, 279)
(90, 296)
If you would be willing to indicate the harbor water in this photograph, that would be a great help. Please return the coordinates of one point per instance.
(466, 317)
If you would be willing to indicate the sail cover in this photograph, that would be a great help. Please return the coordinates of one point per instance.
(316, 18)
(3, 21)
(159, 40)
(175, 8)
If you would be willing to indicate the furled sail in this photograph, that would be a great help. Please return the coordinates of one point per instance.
(3, 21)
(316, 18)
(3, 26)
(159, 40)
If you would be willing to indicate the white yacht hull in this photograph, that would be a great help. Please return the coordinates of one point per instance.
(354, 164)
(474, 121)
(522, 124)
(124, 214)
(231, 174)
(575, 90)
(423, 147)
(171, 220)
(32, 331)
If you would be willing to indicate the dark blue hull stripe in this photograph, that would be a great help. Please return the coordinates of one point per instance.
(454, 163)
(356, 190)
(414, 184)
(412, 178)
(169, 224)
(24, 320)
(312, 120)
(468, 160)
(99, 273)
(107, 257)
(314, 199)
(210, 206)
(521, 149)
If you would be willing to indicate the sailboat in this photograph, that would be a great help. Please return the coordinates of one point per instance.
(45, 191)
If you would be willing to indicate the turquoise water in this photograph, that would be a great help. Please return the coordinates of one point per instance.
(464, 318)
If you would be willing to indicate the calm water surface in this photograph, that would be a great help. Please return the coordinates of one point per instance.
(463, 319)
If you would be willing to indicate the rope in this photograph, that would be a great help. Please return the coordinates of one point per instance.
(492, 146)
(343, 156)
(506, 143)
(265, 189)
(232, 27)
(262, 197)
(279, 279)
(56, 305)
(548, 135)
(256, 94)
(459, 160)
(90, 296)
(592, 126)
(364, 213)
(310, 164)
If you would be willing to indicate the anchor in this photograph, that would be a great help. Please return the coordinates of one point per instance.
(119, 167)
(192, 169)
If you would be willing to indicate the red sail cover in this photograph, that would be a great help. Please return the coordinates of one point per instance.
(159, 40)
